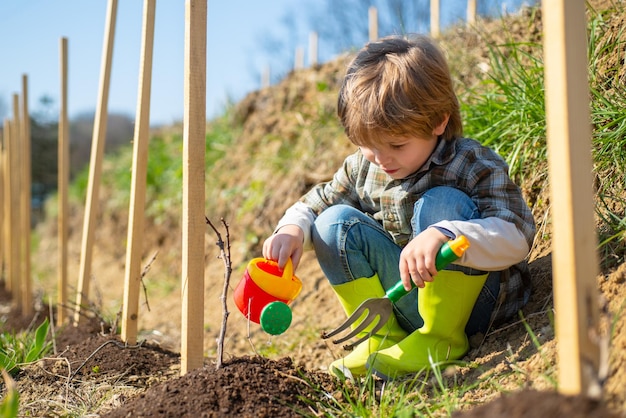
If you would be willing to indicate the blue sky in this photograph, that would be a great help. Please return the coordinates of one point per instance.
(30, 33)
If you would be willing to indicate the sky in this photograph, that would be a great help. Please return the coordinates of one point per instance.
(30, 33)
(31, 30)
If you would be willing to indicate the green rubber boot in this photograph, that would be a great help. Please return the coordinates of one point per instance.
(445, 305)
(351, 295)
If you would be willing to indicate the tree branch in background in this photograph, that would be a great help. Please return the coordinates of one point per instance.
(225, 256)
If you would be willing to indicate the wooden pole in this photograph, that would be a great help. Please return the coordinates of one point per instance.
(2, 200)
(15, 235)
(6, 203)
(265, 77)
(193, 186)
(313, 49)
(471, 12)
(299, 58)
(434, 18)
(132, 278)
(26, 197)
(63, 182)
(373, 23)
(4, 238)
(95, 165)
(574, 242)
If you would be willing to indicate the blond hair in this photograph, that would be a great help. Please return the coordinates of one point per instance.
(398, 86)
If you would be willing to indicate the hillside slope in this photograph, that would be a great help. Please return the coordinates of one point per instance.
(288, 140)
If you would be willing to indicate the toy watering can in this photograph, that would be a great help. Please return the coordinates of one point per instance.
(264, 293)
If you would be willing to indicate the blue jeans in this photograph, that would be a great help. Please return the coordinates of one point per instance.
(350, 244)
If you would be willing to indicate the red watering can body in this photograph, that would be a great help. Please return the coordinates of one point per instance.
(264, 292)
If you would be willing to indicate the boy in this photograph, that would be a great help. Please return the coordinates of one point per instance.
(414, 183)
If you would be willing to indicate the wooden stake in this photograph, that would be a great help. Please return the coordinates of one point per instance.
(471, 12)
(265, 77)
(193, 186)
(6, 204)
(574, 259)
(63, 181)
(26, 197)
(2, 217)
(132, 279)
(95, 164)
(313, 49)
(434, 18)
(299, 58)
(373, 23)
(15, 234)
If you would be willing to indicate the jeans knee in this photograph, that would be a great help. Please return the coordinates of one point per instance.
(326, 224)
(337, 212)
(442, 203)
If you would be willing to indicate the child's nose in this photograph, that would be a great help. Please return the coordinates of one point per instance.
(380, 157)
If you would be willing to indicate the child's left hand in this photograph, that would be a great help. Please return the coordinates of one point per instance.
(417, 259)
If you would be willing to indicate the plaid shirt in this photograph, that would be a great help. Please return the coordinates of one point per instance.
(464, 164)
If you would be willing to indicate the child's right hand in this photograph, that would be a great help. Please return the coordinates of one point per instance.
(286, 243)
(418, 258)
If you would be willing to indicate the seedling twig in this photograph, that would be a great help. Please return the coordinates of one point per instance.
(225, 256)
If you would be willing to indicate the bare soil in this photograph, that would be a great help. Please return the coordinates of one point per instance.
(145, 379)
(93, 373)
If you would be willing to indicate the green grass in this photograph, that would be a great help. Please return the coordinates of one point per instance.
(9, 406)
(506, 112)
(23, 348)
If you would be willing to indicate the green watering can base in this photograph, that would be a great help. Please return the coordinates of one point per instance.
(275, 318)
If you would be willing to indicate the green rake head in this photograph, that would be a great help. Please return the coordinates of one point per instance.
(377, 312)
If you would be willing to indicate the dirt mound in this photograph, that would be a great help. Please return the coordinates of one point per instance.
(244, 387)
(532, 403)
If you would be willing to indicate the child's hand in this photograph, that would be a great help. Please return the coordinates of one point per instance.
(286, 242)
(417, 259)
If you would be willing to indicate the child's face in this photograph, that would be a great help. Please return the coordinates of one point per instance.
(401, 156)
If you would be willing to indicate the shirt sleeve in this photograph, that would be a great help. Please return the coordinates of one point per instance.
(497, 197)
(300, 215)
(495, 244)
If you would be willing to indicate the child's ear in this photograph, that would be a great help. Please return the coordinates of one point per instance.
(440, 129)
